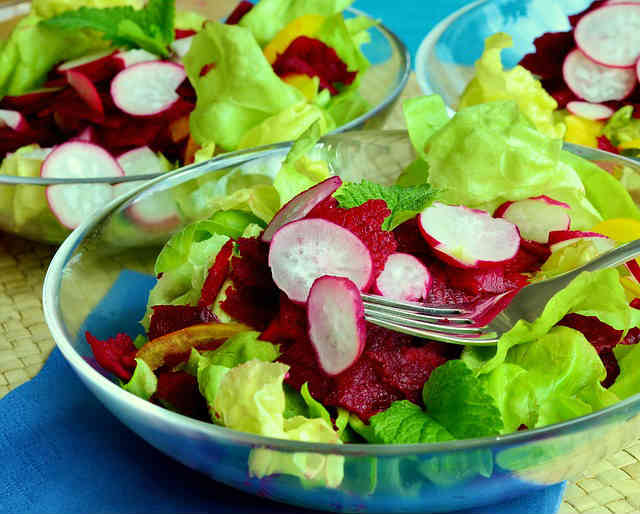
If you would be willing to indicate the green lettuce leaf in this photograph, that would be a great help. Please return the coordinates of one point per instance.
(493, 83)
(242, 348)
(597, 294)
(188, 20)
(425, 115)
(622, 127)
(143, 383)
(268, 17)
(335, 34)
(403, 202)
(49, 8)
(32, 50)
(346, 106)
(457, 399)
(628, 382)
(184, 263)
(228, 106)
(405, 422)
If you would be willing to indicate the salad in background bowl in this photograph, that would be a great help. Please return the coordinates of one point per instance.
(141, 90)
(253, 355)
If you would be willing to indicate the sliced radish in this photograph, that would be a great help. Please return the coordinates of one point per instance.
(73, 203)
(299, 206)
(594, 82)
(14, 120)
(136, 56)
(39, 154)
(337, 329)
(562, 238)
(468, 238)
(590, 111)
(403, 278)
(610, 35)
(95, 66)
(157, 211)
(304, 250)
(148, 88)
(85, 88)
(181, 46)
(536, 217)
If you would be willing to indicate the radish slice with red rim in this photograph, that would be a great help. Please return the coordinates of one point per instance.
(337, 329)
(300, 205)
(136, 56)
(610, 35)
(403, 278)
(73, 203)
(562, 238)
(536, 217)
(182, 46)
(148, 88)
(307, 249)
(594, 82)
(14, 120)
(468, 238)
(96, 66)
(590, 111)
(85, 88)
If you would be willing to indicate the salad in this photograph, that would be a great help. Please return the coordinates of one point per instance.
(260, 327)
(581, 84)
(118, 88)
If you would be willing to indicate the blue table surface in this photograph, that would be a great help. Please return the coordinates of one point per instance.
(411, 20)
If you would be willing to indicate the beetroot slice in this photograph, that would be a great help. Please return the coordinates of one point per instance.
(179, 391)
(240, 10)
(337, 328)
(217, 275)
(116, 354)
(551, 49)
(170, 318)
(314, 58)
(606, 145)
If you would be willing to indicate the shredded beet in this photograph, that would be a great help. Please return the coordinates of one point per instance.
(314, 58)
(236, 15)
(606, 145)
(365, 222)
(116, 354)
(170, 318)
(551, 49)
(218, 273)
(179, 391)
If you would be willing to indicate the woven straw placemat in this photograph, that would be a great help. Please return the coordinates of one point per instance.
(613, 486)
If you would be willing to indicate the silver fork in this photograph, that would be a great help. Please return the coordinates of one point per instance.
(464, 324)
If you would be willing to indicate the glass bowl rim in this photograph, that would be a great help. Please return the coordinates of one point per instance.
(405, 57)
(54, 320)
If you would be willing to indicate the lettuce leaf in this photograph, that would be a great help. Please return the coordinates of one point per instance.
(242, 348)
(628, 382)
(493, 83)
(32, 50)
(228, 105)
(143, 383)
(48, 8)
(268, 17)
(597, 294)
(622, 127)
(424, 115)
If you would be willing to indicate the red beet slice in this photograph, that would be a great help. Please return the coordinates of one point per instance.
(170, 318)
(116, 354)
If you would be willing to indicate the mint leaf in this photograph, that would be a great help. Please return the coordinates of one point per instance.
(405, 422)
(150, 28)
(403, 202)
(457, 399)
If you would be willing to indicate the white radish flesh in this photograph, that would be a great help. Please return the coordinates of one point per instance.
(596, 83)
(468, 238)
(403, 278)
(136, 56)
(305, 250)
(610, 35)
(337, 329)
(148, 88)
(563, 238)
(73, 203)
(299, 206)
(181, 46)
(85, 88)
(14, 120)
(537, 217)
(590, 111)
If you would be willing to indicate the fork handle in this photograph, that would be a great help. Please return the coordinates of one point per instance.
(611, 259)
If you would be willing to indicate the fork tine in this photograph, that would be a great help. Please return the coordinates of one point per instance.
(441, 310)
(412, 314)
(413, 320)
(471, 340)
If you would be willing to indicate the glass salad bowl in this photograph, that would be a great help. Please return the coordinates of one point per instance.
(99, 280)
(445, 59)
(24, 209)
